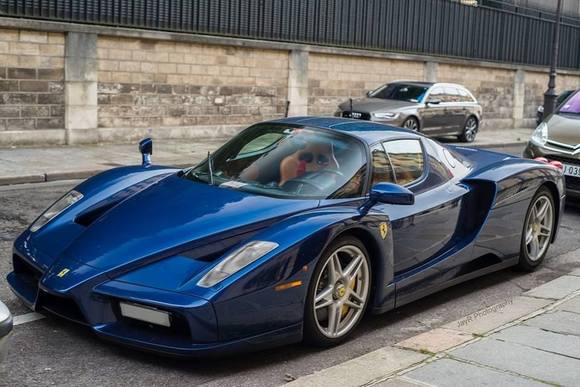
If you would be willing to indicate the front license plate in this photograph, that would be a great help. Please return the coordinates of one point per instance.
(572, 170)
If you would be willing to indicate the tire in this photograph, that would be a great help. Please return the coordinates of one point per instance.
(411, 123)
(538, 231)
(470, 130)
(338, 296)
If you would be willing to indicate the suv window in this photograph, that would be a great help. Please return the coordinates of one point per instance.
(407, 159)
(437, 93)
(465, 96)
(451, 94)
(382, 168)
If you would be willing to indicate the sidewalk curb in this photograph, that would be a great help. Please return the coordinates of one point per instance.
(413, 344)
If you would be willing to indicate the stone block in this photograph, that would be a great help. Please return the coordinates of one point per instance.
(8, 86)
(361, 370)
(21, 73)
(34, 86)
(33, 36)
(35, 111)
(559, 321)
(448, 372)
(572, 305)
(81, 45)
(18, 98)
(50, 123)
(436, 340)
(545, 340)
(81, 117)
(556, 289)
(530, 362)
(81, 93)
(51, 99)
(51, 74)
(20, 124)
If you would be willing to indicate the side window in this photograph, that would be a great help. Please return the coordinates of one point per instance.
(451, 94)
(465, 97)
(437, 93)
(439, 172)
(382, 169)
(261, 143)
(407, 159)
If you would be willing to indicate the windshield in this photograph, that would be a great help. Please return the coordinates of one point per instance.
(287, 161)
(400, 92)
(572, 106)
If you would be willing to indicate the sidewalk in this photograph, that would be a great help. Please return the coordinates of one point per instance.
(35, 165)
(531, 340)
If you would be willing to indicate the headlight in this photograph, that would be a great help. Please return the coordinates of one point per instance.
(65, 202)
(386, 116)
(236, 261)
(541, 109)
(540, 135)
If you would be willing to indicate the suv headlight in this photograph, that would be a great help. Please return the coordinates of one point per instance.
(386, 116)
(540, 135)
(65, 202)
(236, 261)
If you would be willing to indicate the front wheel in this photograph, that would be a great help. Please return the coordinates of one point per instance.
(338, 293)
(538, 230)
(470, 130)
(411, 123)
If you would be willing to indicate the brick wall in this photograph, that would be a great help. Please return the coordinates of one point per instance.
(145, 83)
(31, 80)
(335, 78)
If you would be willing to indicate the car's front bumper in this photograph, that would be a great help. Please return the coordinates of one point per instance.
(533, 150)
(5, 330)
(194, 330)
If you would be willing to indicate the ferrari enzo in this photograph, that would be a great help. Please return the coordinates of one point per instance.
(290, 231)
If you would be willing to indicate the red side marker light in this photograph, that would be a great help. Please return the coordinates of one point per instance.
(557, 164)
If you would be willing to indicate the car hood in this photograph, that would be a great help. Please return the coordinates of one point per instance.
(373, 105)
(564, 129)
(172, 216)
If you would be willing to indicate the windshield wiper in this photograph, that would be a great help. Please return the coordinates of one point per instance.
(210, 167)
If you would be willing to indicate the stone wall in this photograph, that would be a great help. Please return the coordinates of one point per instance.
(335, 78)
(145, 83)
(31, 80)
(116, 84)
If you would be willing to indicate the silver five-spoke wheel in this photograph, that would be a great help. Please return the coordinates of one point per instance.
(539, 227)
(411, 123)
(341, 291)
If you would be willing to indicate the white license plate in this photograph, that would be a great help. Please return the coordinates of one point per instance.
(572, 170)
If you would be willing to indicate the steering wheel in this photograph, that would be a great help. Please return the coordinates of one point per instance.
(309, 180)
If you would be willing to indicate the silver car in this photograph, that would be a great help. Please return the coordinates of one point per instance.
(5, 329)
(438, 109)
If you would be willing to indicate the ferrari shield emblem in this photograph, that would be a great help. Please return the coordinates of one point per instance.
(384, 229)
(63, 272)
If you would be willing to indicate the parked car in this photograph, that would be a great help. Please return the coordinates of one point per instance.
(558, 138)
(5, 329)
(561, 98)
(436, 109)
(290, 231)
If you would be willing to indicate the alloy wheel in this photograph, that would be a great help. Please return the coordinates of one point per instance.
(470, 129)
(341, 291)
(539, 228)
(411, 124)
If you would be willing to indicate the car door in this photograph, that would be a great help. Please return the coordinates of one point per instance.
(420, 231)
(433, 114)
(455, 111)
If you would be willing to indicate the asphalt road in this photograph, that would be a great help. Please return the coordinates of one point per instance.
(53, 352)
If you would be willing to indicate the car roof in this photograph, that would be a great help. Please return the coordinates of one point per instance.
(367, 131)
(412, 83)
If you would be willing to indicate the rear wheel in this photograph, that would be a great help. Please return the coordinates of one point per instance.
(470, 130)
(338, 293)
(538, 230)
(411, 123)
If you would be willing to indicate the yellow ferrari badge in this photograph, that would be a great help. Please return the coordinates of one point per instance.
(63, 272)
(384, 229)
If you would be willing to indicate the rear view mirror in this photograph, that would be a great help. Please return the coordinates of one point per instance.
(389, 193)
(146, 149)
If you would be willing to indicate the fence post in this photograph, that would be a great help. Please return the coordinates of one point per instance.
(81, 76)
(519, 98)
(298, 82)
(431, 71)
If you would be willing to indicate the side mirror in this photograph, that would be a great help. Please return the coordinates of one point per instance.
(389, 193)
(368, 93)
(146, 149)
(434, 101)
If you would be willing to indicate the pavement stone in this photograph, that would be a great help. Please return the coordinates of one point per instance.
(572, 305)
(400, 382)
(575, 272)
(556, 289)
(452, 373)
(497, 315)
(436, 340)
(531, 362)
(362, 369)
(559, 321)
(534, 337)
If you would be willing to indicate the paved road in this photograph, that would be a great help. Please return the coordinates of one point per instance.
(53, 352)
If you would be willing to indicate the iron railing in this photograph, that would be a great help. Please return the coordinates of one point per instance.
(433, 27)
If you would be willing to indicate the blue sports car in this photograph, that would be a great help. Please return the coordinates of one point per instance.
(290, 231)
